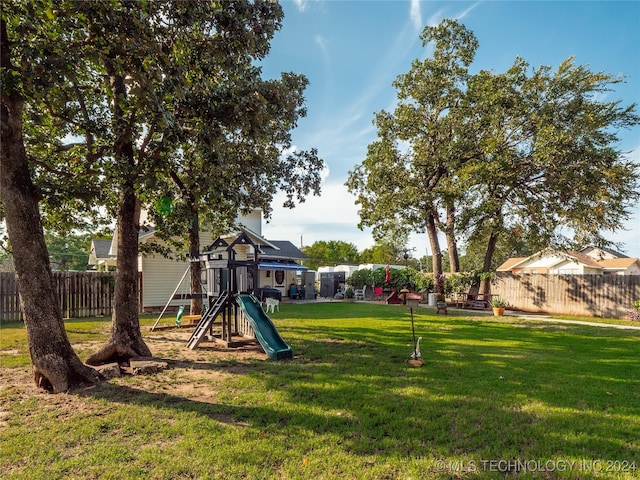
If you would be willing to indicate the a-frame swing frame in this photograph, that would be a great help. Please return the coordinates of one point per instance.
(172, 297)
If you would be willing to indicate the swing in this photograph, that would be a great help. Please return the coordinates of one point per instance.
(179, 315)
(181, 296)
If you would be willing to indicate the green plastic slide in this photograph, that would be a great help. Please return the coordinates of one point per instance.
(266, 333)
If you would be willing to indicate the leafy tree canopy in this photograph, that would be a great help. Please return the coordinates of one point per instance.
(527, 156)
(331, 252)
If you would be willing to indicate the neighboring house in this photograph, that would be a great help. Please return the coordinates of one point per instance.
(161, 276)
(589, 261)
(100, 257)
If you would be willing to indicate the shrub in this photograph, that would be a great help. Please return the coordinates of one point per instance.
(360, 278)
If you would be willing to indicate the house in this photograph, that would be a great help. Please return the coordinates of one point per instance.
(588, 261)
(99, 255)
(161, 276)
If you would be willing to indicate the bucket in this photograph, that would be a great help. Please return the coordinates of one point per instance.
(432, 299)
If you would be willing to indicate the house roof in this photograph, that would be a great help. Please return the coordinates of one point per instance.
(606, 250)
(146, 232)
(285, 249)
(510, 263)
(582, 258)
(100, 248)
(271, 249)
(558, 257)
(618, 263)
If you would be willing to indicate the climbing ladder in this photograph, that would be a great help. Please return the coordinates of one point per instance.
(207, 319)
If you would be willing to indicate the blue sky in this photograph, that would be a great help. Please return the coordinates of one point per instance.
(352, 51)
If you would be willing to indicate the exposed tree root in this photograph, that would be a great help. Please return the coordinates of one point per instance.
(118, 352)
(60, 375)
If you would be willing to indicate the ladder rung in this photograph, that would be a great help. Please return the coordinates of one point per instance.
(206, 320)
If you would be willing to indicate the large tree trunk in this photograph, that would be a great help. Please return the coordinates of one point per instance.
(432, 233)
(126, 339)
(485, 285)
(194, 251)
(452, 243)
(55, 365)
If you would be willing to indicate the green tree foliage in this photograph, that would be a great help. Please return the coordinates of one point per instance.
(549, 163)
(389, 249)
(402, 181)
(56, 367)
(331, 252)
(527, 156)
(116, 92)
(69, 252)
(360, 278)
(399, 279)
(232, 160)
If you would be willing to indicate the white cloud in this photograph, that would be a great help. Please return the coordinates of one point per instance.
(333, 216)
(323, 44)
(466, 12)
(436, 17)
(416, 14)
(301, 4)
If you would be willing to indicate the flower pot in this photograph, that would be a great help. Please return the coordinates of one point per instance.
(498, 311)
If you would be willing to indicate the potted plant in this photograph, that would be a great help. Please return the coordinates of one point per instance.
(498, 304)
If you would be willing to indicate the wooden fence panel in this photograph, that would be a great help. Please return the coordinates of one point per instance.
(81, 294)
(608, 296)
(9, 299)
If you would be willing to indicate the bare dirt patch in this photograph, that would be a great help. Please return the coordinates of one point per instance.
(192, 374)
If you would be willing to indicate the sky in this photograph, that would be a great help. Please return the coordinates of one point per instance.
(352, 51)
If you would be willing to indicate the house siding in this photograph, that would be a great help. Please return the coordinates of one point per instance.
(160, 277)
(253, 221)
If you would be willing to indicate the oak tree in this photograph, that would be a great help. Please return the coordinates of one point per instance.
(104, 96)
(56, 367)
(533, 152)
(421, 144)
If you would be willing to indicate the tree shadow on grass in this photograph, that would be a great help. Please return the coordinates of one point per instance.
(476, 396)
(536, 384)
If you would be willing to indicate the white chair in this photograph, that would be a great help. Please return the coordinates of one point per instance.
(358, 293)
(272, 303)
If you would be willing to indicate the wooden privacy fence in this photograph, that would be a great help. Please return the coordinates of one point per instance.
(609, 296)
(81, 294)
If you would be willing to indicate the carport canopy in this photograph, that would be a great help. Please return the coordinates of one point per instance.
(281, 266)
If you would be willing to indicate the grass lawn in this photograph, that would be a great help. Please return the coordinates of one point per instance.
(496, 398)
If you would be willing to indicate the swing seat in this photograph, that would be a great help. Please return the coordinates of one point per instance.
(179, 315)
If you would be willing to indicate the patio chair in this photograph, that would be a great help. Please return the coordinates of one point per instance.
(358, 293)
